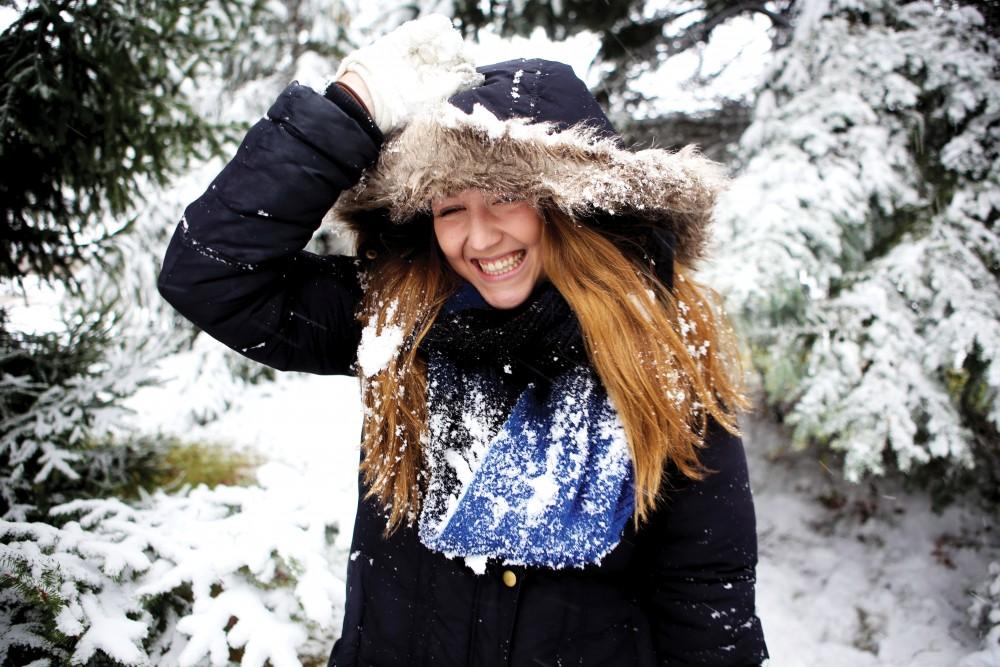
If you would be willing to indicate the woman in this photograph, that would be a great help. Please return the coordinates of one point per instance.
(550, 473)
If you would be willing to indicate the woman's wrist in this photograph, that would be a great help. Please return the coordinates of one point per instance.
(356, 86)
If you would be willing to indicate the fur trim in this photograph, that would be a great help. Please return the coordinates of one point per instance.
(580, 173)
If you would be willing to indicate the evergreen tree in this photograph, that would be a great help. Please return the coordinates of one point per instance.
(859, 244)
(96, 116)
(92, 589)
(91, 108)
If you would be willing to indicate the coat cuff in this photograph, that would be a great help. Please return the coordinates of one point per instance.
(344, 97)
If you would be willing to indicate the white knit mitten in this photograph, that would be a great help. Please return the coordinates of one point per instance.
(421, 62)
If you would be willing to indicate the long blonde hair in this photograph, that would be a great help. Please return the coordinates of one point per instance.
(666, 357)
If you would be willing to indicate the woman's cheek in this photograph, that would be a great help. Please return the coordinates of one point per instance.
(449, 239)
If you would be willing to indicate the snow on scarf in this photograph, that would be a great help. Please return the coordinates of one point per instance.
(528, 460)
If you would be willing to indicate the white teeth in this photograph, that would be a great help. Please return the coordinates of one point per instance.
(502, 265)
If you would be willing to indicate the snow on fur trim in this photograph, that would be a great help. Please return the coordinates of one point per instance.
(446, 151)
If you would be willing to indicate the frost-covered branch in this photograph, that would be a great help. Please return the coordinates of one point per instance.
(98, 578)
(858, 245)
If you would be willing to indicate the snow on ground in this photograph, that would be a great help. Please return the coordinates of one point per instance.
(35, 308)
(851, 575)
(847, 576)
(308, 423)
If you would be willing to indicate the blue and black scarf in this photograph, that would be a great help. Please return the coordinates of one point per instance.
(527, 459)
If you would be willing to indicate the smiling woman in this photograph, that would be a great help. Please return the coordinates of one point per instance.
(493, 243)
(551, 471)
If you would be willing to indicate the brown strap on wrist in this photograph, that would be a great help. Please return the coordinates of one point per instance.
(354, 94)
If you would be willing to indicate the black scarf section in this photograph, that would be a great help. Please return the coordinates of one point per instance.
(533, 342)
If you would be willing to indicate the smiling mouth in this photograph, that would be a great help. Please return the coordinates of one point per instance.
(501, 266)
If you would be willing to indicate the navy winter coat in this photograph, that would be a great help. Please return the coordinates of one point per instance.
(680, 591)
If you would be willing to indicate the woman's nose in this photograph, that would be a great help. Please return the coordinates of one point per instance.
(484, 232)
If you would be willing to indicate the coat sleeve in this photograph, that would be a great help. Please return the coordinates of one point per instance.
(698, 555)
(236, 265)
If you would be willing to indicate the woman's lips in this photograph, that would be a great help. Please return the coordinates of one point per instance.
(500, 267)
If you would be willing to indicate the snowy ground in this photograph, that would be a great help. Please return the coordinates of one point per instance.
(851, 575)
(848, 576)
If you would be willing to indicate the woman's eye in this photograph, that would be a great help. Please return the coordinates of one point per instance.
(450, 209)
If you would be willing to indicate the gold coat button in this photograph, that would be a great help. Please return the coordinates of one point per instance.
(509, 579)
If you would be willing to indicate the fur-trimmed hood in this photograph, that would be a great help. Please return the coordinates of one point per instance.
(523, 134)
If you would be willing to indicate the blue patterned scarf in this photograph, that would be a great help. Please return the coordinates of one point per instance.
(527, 459)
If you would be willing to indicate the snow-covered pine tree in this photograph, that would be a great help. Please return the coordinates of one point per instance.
(160, 582)
(858, 245)
(97, 117)
(95, 120)
(92, 106)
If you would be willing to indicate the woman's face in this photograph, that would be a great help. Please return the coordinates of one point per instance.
(495, 244)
